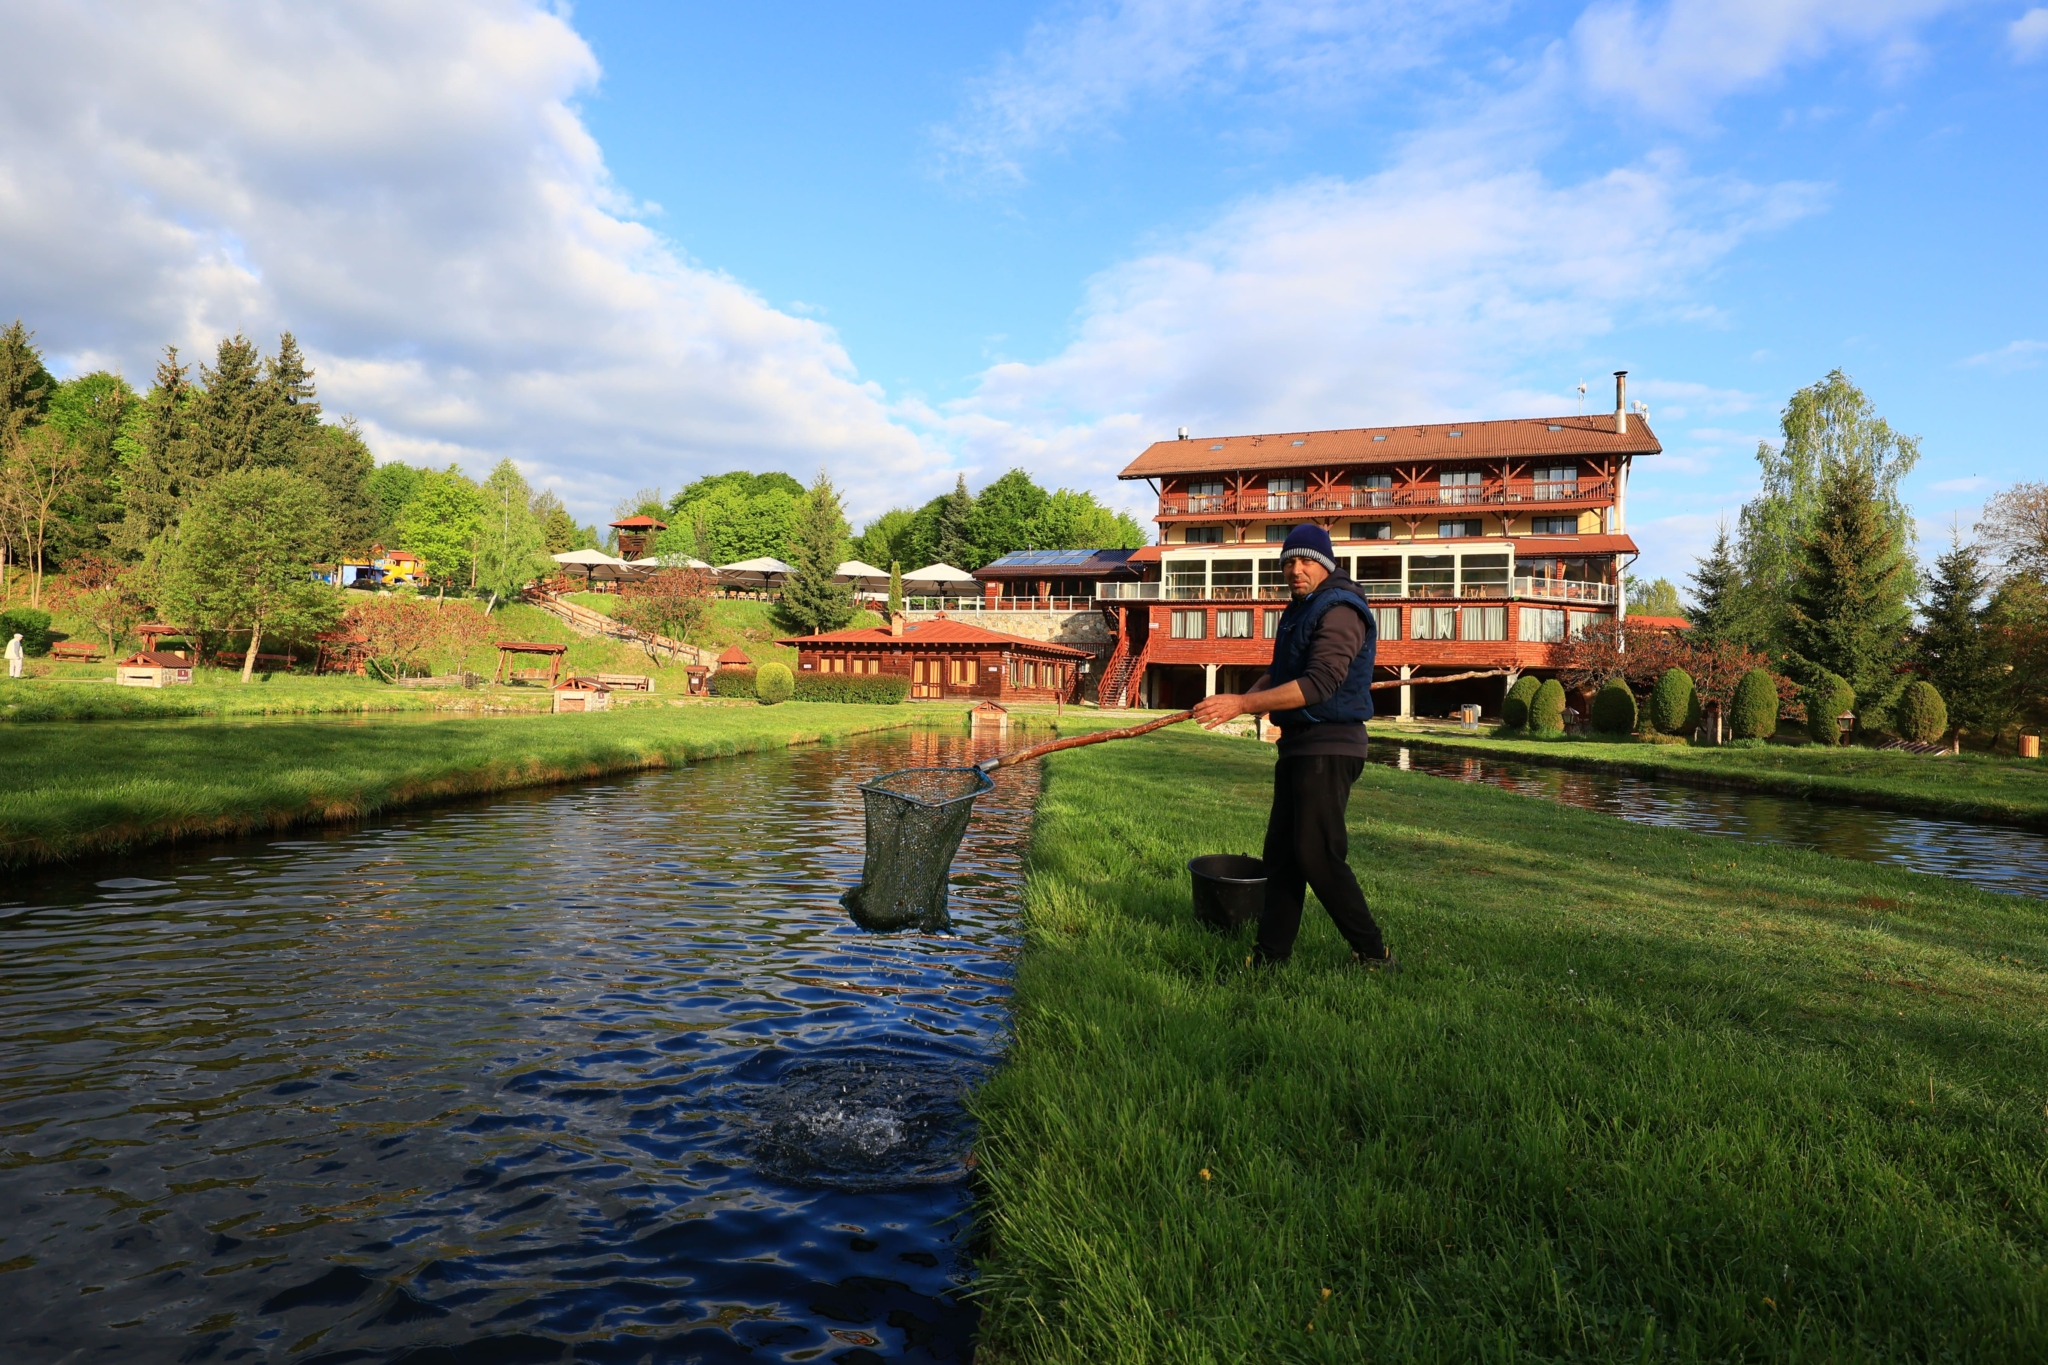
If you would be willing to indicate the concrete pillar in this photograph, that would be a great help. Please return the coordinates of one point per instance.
(1407, 693)
(1208, 680)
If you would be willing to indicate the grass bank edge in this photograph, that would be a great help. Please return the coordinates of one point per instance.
(258, 784)
(1728, 769)
(1707, 1141)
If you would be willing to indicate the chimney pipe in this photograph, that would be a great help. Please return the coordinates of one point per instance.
(1621, 402)
(896, 624)
(1183, 433)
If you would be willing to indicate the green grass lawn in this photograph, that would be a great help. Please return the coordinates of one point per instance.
(1968, 786)
(72, 790)
(1638, 1094)
(219, 692)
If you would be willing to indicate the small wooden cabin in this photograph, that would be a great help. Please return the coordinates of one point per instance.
(636, 534)
(582, 694)
(153, 669)
(944, 657)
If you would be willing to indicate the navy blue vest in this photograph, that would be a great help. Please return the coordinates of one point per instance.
(1351, 703)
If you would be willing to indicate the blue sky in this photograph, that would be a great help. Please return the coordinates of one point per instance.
(627, 244)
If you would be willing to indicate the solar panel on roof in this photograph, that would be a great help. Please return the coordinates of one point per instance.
(1017, 558)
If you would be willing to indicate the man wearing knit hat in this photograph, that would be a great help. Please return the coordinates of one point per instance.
(1319, 691)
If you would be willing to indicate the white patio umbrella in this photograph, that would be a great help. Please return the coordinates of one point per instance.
(668, 562)
(866, 578)
(939, 575)
(596, 565)
(765, 570)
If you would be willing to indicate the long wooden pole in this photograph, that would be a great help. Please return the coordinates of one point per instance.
(989, 765)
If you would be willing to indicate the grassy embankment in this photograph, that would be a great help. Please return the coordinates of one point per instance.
(1637, 1094)
(752, 625)
(70, 791)
(1965, 786)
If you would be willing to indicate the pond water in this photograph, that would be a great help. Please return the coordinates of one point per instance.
(1994, 857)
(600, 1073)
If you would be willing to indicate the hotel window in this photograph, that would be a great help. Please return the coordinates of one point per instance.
(1581, 619)
(1272, 582)
(1187, 579)
(1457, 486)
(1233, 625)
(1277, 533)
(1432, 576)
(1372, 530)
(1286, 495)
(1205, 535)
(1372, 490)
(1483, 623)
(1458, 530)
(1559, 482)
(1482, 575)
(1434, 623)
(1272, 623)
(1205, 496)
(1190, 625)
(1230, 579)
(1541, 626)
(1553, 526)
(1343, 564)
(1387, 622)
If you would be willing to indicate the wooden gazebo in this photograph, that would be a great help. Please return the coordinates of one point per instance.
(152, 633)
(508, 649)
(636, 534)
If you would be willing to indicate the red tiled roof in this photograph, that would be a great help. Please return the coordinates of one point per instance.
(1533, 437)
(1662, 622)
(942, 631)
(734, 655)
(628, 523)
(1562, 545)
(1144, 554)
(145, 659)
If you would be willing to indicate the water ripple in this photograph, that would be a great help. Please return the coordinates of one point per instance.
(599, 1070)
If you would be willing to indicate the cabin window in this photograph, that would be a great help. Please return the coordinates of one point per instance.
(1483, 623)
(1190, 625)
(1542, 626)
(1435, 623)
(1233, 625)
(1230, 579)
(1582, 619)
(1372, 530)
(1386, 622)
(1553, 526)
(1271, 627)
(960, 672)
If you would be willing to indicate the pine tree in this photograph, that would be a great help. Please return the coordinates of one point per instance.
(817, 547)
(291, 407)
(1954, 652)
(1717, 606)
(25, 386)
(229, 418)
(1847, 610)
(157, 474)
(895, 586)
(954, 544)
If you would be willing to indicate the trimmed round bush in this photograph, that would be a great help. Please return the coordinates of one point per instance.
(874, 689)
(1674, 702)
(733, 681)
(1828, 697)
(774, 684)
(1514, 709)
(1923, 715)
(1614, 709)
(1753, 714)
(1546, 709)
(32, 624)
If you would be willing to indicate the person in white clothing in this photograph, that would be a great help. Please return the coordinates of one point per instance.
(14, 657)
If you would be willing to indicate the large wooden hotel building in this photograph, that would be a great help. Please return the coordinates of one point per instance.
(1482, 545)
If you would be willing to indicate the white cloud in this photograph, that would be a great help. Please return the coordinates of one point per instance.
(1675, 62)
(1093, 61)
(2029, 35)
(1448, 286)
(2015, 355)
(1964, 485)
(410, 189)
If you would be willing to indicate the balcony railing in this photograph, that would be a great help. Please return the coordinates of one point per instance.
(1567, 590)
(1254, 502)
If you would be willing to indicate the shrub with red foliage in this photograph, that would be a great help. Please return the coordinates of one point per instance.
(1642, 654)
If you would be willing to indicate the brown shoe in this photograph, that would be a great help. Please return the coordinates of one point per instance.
(1385, 962)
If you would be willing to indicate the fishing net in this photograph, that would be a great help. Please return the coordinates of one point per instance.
(916, 817)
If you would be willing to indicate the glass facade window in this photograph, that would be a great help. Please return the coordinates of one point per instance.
(1233, 625)
(1434, 623)
(1483, 575)
(1190, 625)
(1483, 623)
(1271, 625)
(1387, 622)
(1432, 576)
(1272, 582)
(1372, 530)
(1187, 578)
(1230, 579)
(1541, 626)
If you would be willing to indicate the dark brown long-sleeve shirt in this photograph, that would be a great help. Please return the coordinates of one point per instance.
(1338, 638)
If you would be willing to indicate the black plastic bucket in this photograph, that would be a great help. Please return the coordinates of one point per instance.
(1229, 889)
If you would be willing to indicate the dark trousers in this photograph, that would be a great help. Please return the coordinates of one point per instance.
(1306, 846)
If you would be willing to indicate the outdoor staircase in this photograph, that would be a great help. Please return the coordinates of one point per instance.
(1124, 666)
(584, 621)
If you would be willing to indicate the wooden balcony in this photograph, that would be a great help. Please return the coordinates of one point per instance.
(1254, 503)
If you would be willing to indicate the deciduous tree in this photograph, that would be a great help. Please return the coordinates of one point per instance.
(1003, 515)
(2015, 528)
(38, 469)
(442, 523)
(244, 555)
(1654, 597)
(673, 603)
(514, 548)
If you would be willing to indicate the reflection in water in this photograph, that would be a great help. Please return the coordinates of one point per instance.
(2012, 861)
(601, 1069)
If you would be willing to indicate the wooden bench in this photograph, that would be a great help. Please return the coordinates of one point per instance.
(75, 652)
(530, 675)
(628, 682)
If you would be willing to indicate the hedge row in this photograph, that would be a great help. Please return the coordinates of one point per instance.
(872, 689)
